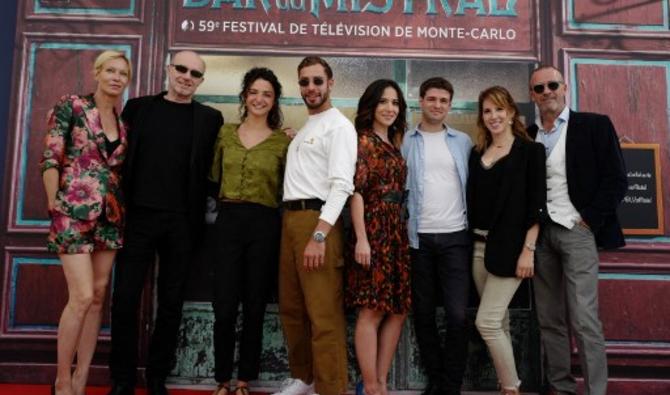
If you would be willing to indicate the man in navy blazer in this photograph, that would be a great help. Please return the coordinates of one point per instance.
(586, 181)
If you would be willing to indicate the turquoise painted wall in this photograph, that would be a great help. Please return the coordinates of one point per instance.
(195, 358)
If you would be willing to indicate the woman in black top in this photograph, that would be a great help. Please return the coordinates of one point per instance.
(506, 194)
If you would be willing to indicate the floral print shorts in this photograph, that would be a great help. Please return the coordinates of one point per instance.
(69, 235)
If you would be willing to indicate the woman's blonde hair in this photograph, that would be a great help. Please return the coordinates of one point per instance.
(109, 55)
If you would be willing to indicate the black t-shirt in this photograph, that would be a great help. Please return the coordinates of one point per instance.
(485, 192)
(163, 157)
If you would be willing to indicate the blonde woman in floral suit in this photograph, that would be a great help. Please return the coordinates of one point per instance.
(81, 163)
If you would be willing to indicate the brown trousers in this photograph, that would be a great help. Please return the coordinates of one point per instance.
(311, 306)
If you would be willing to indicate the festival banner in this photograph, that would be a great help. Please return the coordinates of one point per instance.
(420, 28)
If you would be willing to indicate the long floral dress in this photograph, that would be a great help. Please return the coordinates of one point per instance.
(380, 178)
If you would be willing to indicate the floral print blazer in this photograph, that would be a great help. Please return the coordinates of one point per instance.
(90, 183)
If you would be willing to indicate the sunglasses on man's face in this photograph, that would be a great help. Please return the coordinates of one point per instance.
(304, 82)
(552, 85)
(183, 70)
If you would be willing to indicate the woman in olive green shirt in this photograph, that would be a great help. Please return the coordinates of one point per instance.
(248, 165)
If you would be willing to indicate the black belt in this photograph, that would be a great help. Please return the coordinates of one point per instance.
(304, 204)
(393, 197)
(227, 204)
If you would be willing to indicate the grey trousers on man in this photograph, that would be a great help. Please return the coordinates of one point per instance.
(566, 275)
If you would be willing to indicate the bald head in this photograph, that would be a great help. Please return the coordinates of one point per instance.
(189, 56)
(185, 74)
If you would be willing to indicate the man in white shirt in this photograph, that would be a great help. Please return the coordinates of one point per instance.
(317, 183)
(437, 162)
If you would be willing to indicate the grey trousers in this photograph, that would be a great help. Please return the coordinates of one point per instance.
(566, 289)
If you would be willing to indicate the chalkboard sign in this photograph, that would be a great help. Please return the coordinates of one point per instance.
(641, 211)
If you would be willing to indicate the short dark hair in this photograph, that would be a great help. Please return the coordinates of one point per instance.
(436, 82)
(312, 60)
(275, 116)
(545, 67)
(367, 105)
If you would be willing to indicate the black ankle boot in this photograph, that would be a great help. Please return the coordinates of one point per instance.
(121, 388)
(156, 387)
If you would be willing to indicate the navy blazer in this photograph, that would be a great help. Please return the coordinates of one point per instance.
(596, 174)
(206, 124)
(518, 205)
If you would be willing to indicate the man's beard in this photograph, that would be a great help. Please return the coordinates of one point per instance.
(316, 105)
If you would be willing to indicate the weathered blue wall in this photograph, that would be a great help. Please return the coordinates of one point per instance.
(195, 358)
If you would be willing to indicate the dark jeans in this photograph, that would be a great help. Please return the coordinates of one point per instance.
(148, 232)
(247, 257)
(441, 271)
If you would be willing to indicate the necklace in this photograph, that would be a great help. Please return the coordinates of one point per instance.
(504, 143)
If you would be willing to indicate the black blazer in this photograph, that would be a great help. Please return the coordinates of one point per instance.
(596, 174)
(206, 124)
(519, 204)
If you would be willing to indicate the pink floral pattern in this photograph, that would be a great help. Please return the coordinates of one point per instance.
(90, 179)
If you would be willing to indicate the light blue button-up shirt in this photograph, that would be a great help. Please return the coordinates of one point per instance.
(550, 137)
(413, 151)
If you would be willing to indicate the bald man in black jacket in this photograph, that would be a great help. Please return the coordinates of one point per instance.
(170, 148)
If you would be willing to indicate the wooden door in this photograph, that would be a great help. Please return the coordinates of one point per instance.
(616, 59)
(56, 43)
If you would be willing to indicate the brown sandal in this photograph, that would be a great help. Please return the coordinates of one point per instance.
(243, 390)
(222, 389)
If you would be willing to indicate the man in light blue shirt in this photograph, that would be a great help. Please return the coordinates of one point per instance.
(437, 162)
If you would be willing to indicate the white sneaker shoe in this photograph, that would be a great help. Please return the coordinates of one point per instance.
(292, 386)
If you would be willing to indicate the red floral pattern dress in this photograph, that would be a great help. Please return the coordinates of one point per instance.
(385, 286)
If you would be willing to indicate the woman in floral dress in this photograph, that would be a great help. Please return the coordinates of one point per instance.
(378, 281)
(81, 164)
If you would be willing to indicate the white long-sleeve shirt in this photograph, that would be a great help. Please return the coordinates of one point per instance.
(321, 162)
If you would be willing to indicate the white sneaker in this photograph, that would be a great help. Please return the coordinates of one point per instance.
(292, 386)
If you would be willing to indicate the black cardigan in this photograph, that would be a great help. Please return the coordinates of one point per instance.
(519, 204)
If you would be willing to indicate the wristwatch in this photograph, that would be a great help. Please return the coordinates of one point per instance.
(319, 236)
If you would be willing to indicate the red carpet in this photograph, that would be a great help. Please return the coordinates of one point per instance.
(21, 389)
(31, 389)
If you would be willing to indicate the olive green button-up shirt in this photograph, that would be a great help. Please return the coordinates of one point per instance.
(249, 174)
